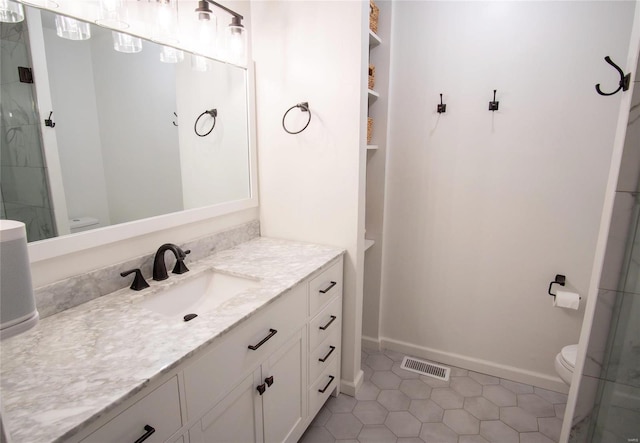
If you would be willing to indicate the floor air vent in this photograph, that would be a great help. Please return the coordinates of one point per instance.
(426, 368)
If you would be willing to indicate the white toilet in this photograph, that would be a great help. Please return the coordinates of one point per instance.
(566, 362)
(80, 224)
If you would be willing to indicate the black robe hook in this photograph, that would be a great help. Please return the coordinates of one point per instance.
(625, 80)
(441, 107)
(493, 105)
(48, 122)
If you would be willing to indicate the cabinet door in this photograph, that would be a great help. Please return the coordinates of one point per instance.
(236, 418)
(284, 402)
(156, 416)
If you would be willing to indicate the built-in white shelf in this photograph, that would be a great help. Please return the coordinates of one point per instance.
(372, 147)
(368, 243)
(374, 40)
(373, 95)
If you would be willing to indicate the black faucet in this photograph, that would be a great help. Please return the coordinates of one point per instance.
(159, 266)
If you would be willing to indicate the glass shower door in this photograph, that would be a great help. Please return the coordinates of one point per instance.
(24, 186)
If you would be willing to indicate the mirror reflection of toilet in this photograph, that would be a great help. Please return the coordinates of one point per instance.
(80, 224)
(565, 362)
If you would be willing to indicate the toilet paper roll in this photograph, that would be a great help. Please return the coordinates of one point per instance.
(566, 299)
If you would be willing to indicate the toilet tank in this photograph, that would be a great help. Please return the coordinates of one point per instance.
(79, 224)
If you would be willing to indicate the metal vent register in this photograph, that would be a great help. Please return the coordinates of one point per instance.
(426, 368)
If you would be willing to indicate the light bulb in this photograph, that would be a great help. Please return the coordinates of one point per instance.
(166, 21)
(200, 63)
(126, 43)
(171, 55)
(207, 33)
(72, 29)
(113, 14)
(237, 42)
(11, 12)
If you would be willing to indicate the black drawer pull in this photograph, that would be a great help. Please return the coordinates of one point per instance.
(261, 388)
(333, 348)
(328, 288)
(333, 317)
(331, 377)
(269, 381)
(272, 332)
(149, 430)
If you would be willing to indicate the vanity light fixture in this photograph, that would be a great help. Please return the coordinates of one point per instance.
(11, 12)
(236, 39)
(72, 29)
(113, 14)
(200, 63)
(171, 55)
(49, 4)
(126, 43)
(165, 28)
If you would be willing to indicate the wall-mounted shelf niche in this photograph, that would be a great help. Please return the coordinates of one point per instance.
(373, 95)
(374, 40)
(372, 147)
(368, 243)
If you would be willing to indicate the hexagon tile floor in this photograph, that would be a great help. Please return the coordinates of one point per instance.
(396, 405)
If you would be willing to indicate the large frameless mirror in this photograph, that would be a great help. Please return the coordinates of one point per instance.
(129, 128)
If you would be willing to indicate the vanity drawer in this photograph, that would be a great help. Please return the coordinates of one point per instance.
(324, 287)
(323, 324)
(323, 387)
(160, 410)
(230, 359)
(328, 350)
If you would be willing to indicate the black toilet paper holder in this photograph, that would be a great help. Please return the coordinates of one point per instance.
(560, 279)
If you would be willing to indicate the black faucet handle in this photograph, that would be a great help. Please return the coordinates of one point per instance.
(139, 283)
(180, 267)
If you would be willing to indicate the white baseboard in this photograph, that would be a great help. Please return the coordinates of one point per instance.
(349, 388)
(540, 380)
(370, 343)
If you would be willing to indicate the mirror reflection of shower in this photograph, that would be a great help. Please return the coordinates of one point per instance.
(24, 187)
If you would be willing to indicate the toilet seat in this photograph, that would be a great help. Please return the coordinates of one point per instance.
(565, 362)
(569, 354)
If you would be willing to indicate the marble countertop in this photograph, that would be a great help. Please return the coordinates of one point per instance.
(75, 366)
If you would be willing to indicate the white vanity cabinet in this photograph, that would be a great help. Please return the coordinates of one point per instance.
(262, 381)
(325, 336)
(268, 405)
(281, 386)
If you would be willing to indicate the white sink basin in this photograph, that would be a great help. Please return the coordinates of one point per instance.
(198, 295)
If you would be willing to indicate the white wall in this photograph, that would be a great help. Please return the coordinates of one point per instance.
(311, 183)
(77, 127)
(483, 208)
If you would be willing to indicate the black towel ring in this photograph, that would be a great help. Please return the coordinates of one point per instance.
(213, 113)
(304, 107)
(625, 80)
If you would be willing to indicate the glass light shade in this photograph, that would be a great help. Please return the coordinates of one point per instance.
(207, 34)
(126, 43)
(42, 3)
(113, 14)
(200, 63)
(72, 29)
(171, 55)
(166, 21)
(237, 44)
(11, 12)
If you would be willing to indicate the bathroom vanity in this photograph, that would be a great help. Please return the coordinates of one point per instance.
(258, 367)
